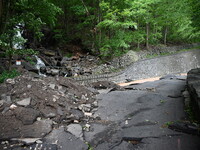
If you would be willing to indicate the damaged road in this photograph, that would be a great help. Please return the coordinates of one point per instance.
(59, 114)
(137, 117)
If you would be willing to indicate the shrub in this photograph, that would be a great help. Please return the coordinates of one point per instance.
(8, 74)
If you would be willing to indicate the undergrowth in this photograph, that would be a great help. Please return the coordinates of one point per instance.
(8, 74)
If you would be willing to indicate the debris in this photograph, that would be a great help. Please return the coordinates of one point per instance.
(24, 102)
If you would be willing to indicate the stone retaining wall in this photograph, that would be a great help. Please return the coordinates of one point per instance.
(173, 64)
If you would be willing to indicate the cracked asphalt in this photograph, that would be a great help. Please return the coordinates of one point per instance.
(137, 119)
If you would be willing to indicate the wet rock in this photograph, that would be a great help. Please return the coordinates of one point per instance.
(24, 102)
(65, 140)
(26, 115)
(76, 130)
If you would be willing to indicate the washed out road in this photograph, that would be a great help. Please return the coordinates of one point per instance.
(137, 118)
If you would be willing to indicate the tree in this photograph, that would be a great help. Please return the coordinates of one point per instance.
(29, 15)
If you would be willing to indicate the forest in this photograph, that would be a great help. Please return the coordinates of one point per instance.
(105, 28)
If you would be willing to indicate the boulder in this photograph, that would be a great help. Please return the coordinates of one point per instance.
(193, 86)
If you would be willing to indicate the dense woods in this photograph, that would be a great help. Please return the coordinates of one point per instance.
(103, 27)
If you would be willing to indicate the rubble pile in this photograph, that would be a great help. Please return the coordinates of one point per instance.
(31, 108)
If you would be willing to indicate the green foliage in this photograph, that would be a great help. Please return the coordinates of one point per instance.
(68, 55)
(107, 27)
(8, 74)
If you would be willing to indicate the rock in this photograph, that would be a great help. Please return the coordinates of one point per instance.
(76, 130)
(26, 115)
(88, 114)
(85, 107)
(27, 141)
(49, 53)
(2, 102)
(15, 129)
(185, 127)
(186, 94)
(13, 106)
(193, 86)
(53, 61)
(65, 140)
(43, 70)
(52, 86)
(29, 67)
(48, 112)
(95, 104)
(78, 115)
(7, 99)
(54, 72)
(25, 102)
(37, 130)
(65, 60)
(87, 127)
(10, 81)
(29, 86)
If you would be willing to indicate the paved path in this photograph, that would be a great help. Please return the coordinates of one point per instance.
(137, 119)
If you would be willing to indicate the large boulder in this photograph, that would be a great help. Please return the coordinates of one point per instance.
(193, 85)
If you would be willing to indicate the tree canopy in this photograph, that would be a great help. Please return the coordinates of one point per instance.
(105, 27)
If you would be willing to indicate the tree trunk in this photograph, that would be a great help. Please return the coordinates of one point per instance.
(147, 35)
(165, 35)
